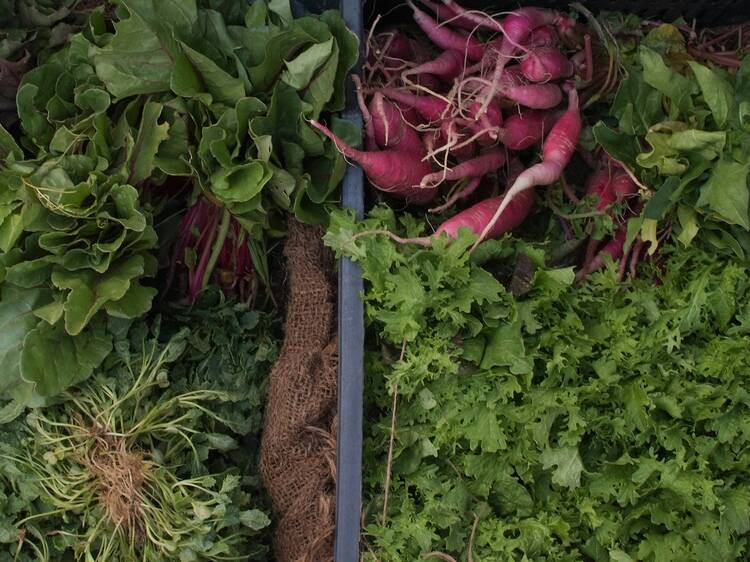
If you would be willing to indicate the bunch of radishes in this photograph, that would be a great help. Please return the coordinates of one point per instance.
(446, 113)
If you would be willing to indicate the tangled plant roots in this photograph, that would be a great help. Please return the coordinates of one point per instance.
(118, 471)
(119, 474)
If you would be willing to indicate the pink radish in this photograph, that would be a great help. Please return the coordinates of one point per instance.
(517, 27)
(614, 249)
(623, 185)
(460, 195)
(428, 81)
(556, 153)
(410, 115)
(446, 38)
(397, 48)
(393, 171)
(544, 36)
(370, 142)
(447, 66)
(534, 96)
(479, 215)
(476, 167)
(479, 19)
(544, 64)
(430, 107)
(389, 128)
(400, 46)
(490, 122)
(610, 184)
(445, 14)
(523, 130)
(599, 184)
(452, 132)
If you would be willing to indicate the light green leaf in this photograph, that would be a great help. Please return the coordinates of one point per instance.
(254, 519)
(717, 92)
(89, 292)
(221, 85)
(688, 224)
(53, 360)
(282, 9)
(51, 312)
(17, 319)
(241, 183)
(726, 192)
(568, 466)
(672, 143)
(670, 83)
(619, 556)
(136, 302)
(150, 135)
(506, 349)
(135, 61)
(299, 71)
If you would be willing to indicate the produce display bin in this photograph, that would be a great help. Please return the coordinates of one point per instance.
(351, 319)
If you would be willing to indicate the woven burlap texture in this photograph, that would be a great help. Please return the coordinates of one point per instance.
(298, 446)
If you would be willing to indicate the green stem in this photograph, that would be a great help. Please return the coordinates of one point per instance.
(218, 244)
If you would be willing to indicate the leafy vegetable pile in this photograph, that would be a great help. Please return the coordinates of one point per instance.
(155, 456)
(684, 127)
(171, 139)
(576, 390)
(151, 152)
(569, 423)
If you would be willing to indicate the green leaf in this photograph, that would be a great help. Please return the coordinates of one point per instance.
(89, 292)
(254, 519)
(506, 349)
(17, 318)
(621, 146)
(688, 224)
(300, 70)
(636, 105)
(717, 92)
(282, 9)
(150, 135)
(672, 143)
(8, 146)
(670, 83)
(53, 360)
(726, 192)
(568, 466)
(222, 86)
(277, 49)
(241, 183)
(348, 53)
(136, 61)
(665, 39)
(179, 15)
(136, 302)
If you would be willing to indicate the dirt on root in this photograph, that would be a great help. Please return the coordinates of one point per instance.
(120, 475)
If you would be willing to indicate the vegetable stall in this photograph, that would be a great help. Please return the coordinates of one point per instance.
(556, 261)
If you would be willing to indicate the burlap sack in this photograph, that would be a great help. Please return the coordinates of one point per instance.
(298, 446)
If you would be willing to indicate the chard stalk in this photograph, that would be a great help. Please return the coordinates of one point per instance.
(217, 246)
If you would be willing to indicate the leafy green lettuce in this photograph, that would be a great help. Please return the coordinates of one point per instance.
(138, 115)
(682, 127)
(606, 422)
